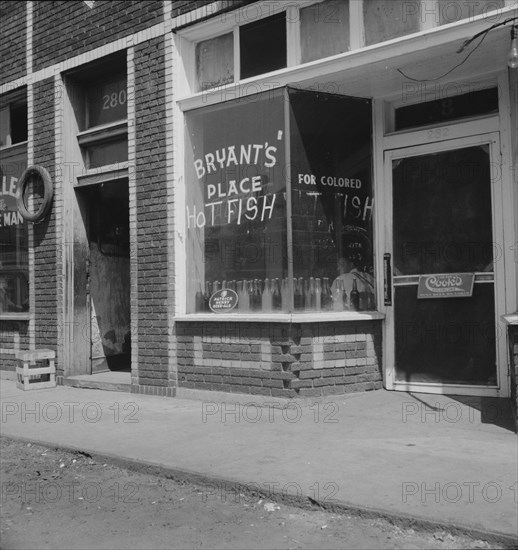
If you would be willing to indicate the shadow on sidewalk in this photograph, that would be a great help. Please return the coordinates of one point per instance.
(493, 410)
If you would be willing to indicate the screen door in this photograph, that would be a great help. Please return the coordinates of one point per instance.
(442, 300)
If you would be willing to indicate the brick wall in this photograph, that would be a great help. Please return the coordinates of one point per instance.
(12, 40)
(151, 205)
(280, 360)
(82, 28)
(184, 6)
(45, 247)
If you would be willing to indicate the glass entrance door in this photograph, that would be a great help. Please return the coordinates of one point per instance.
(441, 319)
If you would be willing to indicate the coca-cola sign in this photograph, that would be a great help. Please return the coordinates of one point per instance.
(445, 285)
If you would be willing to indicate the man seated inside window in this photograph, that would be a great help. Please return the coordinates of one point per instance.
(355, 286)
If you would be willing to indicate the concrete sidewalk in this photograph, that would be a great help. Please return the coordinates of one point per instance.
(429, 457)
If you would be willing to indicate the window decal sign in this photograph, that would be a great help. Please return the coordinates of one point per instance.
(9, 214)
(223, 301)
(446, 285)
(14, 234)
(10, 170)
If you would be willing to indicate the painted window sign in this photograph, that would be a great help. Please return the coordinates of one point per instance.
(236, 195)
(446, 285)
(14, 263)
(9, 214)
(242, 197)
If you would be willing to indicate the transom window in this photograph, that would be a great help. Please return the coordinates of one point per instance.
(258, 45)
(98, 93)
(262, 37)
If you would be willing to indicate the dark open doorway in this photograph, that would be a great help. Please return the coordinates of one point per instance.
(106, 215)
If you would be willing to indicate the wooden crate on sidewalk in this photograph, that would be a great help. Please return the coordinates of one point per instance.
(30, 376)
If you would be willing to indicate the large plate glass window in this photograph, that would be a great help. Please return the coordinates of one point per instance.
(14, 262)
(332, 201)
(236, 201)
(248, 165)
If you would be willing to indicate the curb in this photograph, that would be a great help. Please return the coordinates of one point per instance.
(238, 487)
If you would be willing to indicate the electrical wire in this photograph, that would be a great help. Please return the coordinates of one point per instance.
(466, 43)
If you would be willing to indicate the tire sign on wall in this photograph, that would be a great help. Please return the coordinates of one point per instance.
(33, 174)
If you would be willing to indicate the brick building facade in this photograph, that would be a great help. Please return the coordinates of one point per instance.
(110, 274)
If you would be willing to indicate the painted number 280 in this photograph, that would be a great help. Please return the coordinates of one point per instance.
(114, 99)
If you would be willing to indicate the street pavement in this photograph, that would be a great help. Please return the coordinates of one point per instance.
(436, 459)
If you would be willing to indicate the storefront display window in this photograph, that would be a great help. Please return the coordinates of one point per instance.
(249, 164)
(332, 200)
(236, 202)
(14, 263)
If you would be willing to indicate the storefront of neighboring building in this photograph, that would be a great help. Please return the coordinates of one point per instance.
(289, 199)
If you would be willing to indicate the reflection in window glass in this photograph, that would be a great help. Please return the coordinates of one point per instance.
(263, 45)
(14, 263)
(324, 29)
(332, 201)
(215, 62)
(236, 203)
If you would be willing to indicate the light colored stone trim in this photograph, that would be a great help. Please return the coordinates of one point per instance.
(169, 54)
(31, 256)
(195, 15)
(63, 329)
(132, 189)
(29, 18)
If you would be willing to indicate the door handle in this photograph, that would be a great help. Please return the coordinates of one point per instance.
(387, 280)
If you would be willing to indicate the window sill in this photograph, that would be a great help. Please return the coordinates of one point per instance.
(13, 146)
(353, 316)
(104, 132)
(511, 318)
(15, 316)
(110, 172)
